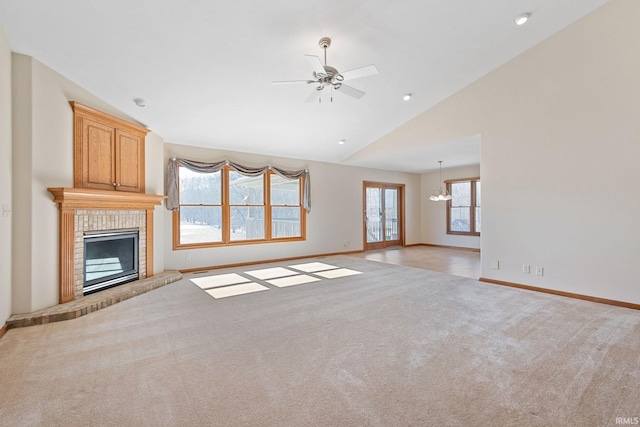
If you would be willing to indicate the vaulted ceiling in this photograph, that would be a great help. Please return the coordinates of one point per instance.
(205, 67)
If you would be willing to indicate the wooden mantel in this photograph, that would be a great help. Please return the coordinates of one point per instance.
(87, 198)
(71, 199)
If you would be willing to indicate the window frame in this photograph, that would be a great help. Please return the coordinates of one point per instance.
(472, 207)
(226, 215)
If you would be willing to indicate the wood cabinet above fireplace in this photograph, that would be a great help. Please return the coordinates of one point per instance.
(108, 151)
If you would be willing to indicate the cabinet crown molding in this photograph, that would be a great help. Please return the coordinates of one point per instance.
(82, 109)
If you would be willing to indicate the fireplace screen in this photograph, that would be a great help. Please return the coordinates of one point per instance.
(110, 259)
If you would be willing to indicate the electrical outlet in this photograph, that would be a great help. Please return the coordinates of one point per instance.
(187, 256)
(539, 271)
(6, 210)
(526, 268)
(495, 264)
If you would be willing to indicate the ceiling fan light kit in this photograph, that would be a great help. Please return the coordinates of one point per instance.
(326, 76)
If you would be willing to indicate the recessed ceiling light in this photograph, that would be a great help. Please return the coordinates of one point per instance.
(406, 96)
(522, 19)
(342, 141)
(140, 102)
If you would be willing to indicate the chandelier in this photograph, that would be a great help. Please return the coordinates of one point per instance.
(442, 194)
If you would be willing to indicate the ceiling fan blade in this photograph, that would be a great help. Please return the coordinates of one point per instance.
(351, 91)
(316, 64)
(369, 70)
(280, 82)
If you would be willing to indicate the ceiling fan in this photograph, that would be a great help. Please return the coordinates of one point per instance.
(326, 76)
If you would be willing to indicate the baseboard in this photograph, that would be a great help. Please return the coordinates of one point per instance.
(3, 330)
(563, 294)
(242, 264)
(462, 248)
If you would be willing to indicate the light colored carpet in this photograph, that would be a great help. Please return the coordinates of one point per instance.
(235, 290)
(215, 281)
(394, 346)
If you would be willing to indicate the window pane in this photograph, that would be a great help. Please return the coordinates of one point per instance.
(246, 190)
(461, 193)
(247, 222)
(460, 220)
(284, 191)
(478, 220)
(285, 222)
(478, 193)
(197, 188)
(200, 224)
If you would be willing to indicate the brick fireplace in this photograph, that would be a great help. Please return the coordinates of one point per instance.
(84, 210)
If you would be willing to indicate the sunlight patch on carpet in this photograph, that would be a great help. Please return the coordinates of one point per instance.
(312, 267)
(340, 272)
(229, 291)
(219, 280)
(283, 282)
(271, 273)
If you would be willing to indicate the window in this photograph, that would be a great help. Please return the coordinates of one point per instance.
(463, 210)
(226, 208)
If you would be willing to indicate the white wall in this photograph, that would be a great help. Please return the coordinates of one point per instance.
(5, 178)
(154, 184)
(560, 149)
(335, 218)
(434, 214)
(43, 149)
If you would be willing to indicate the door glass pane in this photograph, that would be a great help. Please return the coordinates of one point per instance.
(200, 224)
(247, 222)
(373, 212)
(391, 213)
(285, 222)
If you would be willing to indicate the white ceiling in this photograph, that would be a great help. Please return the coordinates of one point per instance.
(205, 67)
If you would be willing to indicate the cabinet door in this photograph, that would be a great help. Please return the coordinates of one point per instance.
(129, 161)
(98, 143)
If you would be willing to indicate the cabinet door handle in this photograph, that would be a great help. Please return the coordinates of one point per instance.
(114, 184)
(118, 184)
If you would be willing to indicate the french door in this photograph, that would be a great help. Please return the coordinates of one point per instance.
(383, 215)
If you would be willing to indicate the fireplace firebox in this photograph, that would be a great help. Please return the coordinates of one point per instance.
(110, 259)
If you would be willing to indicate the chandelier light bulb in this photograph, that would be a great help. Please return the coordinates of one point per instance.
(440, 195)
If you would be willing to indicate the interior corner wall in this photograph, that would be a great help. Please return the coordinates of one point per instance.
(559, 157)
(43, 158)
(154, 184)
(21, 116)
(334, 225)
(5, 179)
(434, 214)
